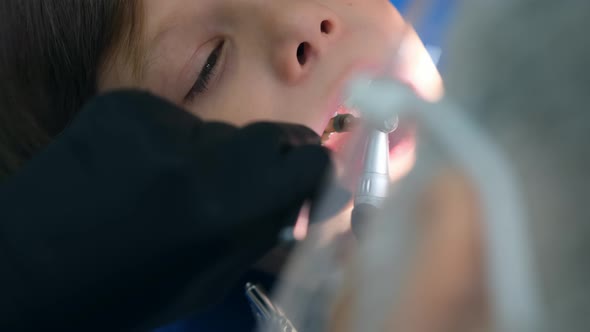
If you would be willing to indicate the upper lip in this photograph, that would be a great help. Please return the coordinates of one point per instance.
(342, 84)
(338, 92)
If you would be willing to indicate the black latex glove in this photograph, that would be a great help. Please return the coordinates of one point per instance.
(140, 213)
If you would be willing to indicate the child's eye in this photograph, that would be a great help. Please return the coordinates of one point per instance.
(208, 71)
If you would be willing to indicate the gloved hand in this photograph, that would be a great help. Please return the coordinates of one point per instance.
(140, 213)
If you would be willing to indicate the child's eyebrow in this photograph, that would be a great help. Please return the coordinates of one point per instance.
(152, 41)
(149, 51)
(150, 47)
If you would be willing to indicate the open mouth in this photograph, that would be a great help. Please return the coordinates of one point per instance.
(402, 140)
(337, 108)
(342, 138)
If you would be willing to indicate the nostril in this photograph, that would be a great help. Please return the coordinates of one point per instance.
(302, 53)
(326, 27)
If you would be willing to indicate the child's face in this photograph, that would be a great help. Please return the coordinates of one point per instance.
(281, 60)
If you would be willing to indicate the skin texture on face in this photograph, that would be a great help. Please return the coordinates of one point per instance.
(278, 60)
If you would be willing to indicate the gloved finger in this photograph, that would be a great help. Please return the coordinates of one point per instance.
(211, 135)
(277, 174)
(298, 177)
(330, 200)
(266, 232)
(152, 117)
(280, 137)
(297, 135)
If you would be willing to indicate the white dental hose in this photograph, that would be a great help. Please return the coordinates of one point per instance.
(513, 287)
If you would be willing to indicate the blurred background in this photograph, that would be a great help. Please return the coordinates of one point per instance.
(432, 27)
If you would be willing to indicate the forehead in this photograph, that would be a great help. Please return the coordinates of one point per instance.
(166, 24)
(158, 28)
(161, 17)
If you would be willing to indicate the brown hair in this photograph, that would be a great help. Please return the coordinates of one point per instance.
(50, 56)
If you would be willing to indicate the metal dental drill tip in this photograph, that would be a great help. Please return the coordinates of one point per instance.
(343, 122)
(340, 123)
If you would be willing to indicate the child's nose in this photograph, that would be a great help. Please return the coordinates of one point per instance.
(303, 33)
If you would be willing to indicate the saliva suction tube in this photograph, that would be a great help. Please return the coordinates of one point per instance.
(515, 301)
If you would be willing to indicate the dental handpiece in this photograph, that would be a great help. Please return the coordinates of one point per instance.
(373, 185)
(378, 105)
